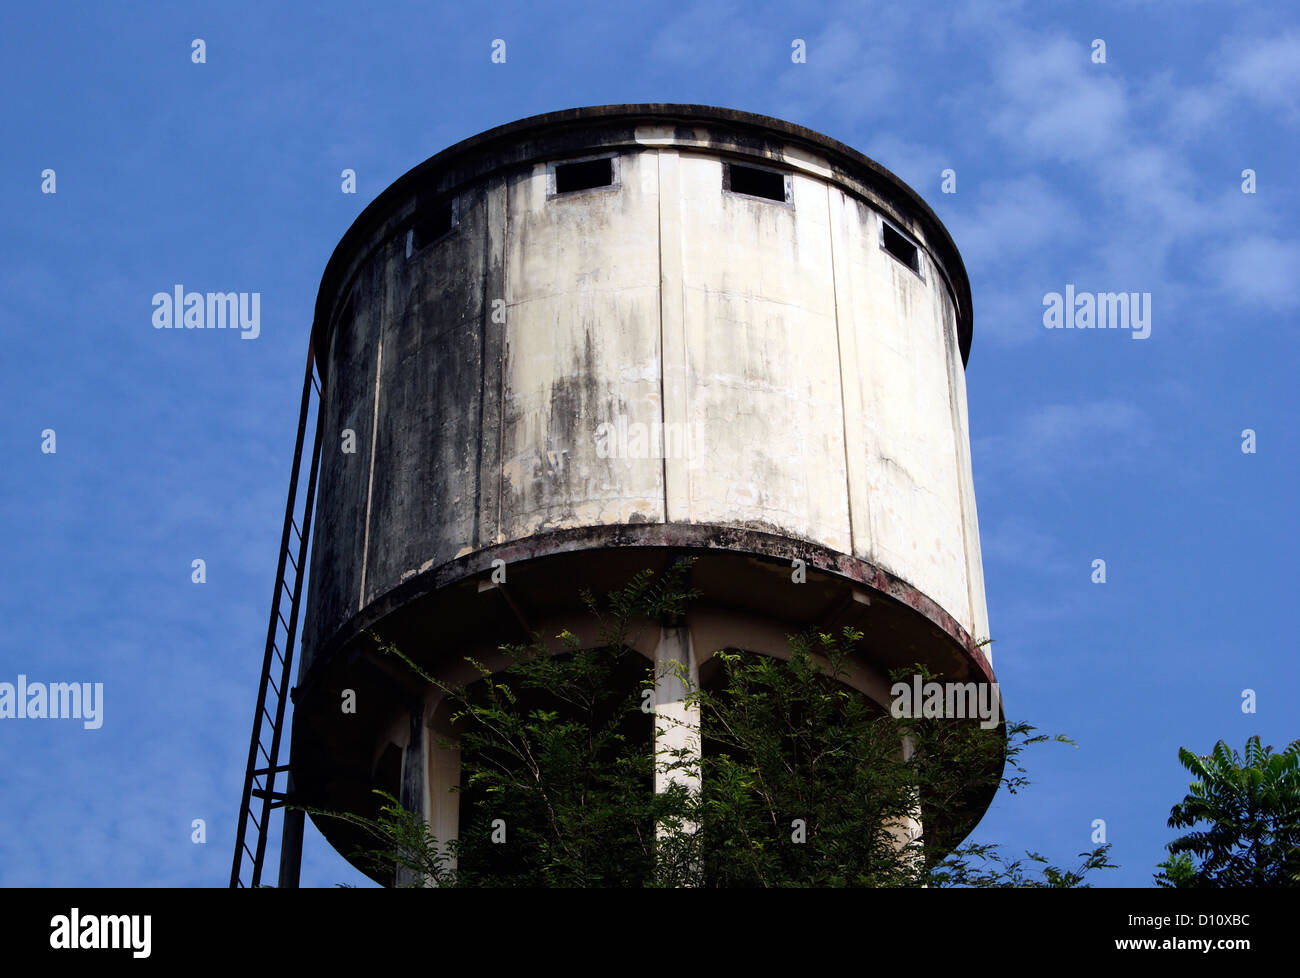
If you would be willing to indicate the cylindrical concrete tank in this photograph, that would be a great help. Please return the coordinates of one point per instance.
(588, 341)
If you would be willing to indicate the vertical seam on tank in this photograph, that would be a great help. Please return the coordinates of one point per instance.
(504, 357)
(679, 296)
(663, 394)
(370, 481)
(485, 318)
(839, 350)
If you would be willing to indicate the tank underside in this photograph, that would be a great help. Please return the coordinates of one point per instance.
(454, 611)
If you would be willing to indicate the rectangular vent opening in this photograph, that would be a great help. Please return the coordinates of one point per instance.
(900, 247)
(434, 225)
(755, 182)
(583, 176)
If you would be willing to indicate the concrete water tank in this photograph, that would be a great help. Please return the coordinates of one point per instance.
(596, 340)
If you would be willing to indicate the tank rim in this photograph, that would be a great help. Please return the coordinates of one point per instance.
(698, 538)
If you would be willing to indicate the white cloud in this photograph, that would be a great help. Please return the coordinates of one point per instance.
(1012, 219)
(849, 70)
(1096, 182)
(1055, 440)
(1267, 70)
(1054, 102)
(1260, 270)
(687, 38)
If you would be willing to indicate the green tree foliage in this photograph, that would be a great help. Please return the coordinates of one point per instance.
(793, 741)
(803, 780)
(1245, 816)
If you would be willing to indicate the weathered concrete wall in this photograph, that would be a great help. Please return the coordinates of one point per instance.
(760, 356)
(582, 328)
(825, 377)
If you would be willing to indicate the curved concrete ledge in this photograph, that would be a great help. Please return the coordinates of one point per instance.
(681, 537)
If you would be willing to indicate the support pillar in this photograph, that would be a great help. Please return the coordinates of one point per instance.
(412, 793)
(677, 722)
(444, 780)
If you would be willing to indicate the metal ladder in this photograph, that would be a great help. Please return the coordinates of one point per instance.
(273, 690)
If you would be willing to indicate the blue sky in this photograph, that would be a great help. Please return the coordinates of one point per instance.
(1087, 444)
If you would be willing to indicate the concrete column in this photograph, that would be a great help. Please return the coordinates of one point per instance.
(412, 793)
(677, 723)
(906, 830)
(444, 799)
(291, 842)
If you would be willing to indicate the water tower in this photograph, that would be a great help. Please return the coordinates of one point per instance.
(595, 341)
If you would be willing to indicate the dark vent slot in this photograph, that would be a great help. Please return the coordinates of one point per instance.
(902, 249)
(583, 176)
(755, 182)
(439, 221)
